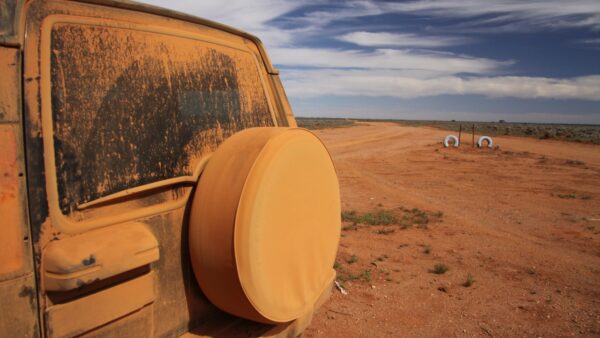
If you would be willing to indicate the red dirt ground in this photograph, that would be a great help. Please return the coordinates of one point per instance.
(523, 220)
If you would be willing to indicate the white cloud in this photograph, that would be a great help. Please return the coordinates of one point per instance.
(321, 82)
(540, 13)
(504, 15)
(239, 13)
(430, 63)
(535, 8)
(343, 10)
(402, 72)
(384, 39)
(590, 41)
(251, 16)
(500, 16)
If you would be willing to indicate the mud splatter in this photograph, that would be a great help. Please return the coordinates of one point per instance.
(29, 292)
(89, 261)
(133, 107)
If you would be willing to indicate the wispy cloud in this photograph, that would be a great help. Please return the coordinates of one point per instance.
(251, 16)
(343, 10)
(478, 16)
(590, 41)
(484, 15)
(384, 39)
(540, 13)
(312, 83)
(239, 13)
(393, 59)
(397, 63)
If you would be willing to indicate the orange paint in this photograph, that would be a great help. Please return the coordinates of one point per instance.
(9, 85)
(125, 106)
(97, 255)
(11, 250)
(265, 224)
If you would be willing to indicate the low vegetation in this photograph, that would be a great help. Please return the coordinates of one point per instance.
(352, 259)
(344, 276)
(402, 217)
(470, 280)
(323, 123)
(573, 196)
(381, 217)
(419, 217)
(566, 132)
(439, 268)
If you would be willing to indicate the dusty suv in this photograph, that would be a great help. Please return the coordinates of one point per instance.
(153, 181)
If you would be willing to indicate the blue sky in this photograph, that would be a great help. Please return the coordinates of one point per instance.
(484, 60)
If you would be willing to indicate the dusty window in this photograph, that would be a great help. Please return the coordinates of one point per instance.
(133, 107)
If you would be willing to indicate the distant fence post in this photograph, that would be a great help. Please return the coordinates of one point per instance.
(459, 132)
(473, 138)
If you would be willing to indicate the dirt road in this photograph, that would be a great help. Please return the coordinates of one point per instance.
(523, 220)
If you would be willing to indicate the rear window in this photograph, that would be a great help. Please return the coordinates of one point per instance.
(133, 107)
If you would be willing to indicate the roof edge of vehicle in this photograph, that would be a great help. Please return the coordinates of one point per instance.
(12, 38)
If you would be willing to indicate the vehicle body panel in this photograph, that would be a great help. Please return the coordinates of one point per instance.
(58, 109)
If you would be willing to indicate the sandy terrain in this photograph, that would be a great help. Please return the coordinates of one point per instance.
(523, 220)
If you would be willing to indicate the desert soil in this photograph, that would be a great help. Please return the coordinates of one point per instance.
(523, 220)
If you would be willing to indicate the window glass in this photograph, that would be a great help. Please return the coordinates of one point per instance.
(132, 107)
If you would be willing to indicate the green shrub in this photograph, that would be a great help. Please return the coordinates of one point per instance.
(439, 268)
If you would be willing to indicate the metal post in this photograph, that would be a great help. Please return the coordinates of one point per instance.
(473, 138)
(459, 132)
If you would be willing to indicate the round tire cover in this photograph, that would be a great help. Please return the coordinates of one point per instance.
(265, 224)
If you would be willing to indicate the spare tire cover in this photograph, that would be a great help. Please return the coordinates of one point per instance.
(265, 224)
